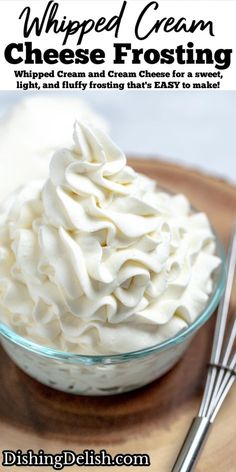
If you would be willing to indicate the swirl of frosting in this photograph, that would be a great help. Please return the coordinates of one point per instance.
(97, 259)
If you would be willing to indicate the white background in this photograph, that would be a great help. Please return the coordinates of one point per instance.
(197, 129)
(221, 13)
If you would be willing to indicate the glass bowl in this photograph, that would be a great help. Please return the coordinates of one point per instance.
(104, 374)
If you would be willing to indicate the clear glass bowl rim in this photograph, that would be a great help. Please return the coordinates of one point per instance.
(73, 358)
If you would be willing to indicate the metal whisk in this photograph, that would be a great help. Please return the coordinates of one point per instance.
(220, 378)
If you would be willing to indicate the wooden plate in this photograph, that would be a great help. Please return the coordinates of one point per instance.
(151, 420)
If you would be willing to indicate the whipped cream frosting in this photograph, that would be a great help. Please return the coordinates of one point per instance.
(32, 130)
(97, 259)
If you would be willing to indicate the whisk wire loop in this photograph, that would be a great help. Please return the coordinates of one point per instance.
(215, 375)
(220, 378)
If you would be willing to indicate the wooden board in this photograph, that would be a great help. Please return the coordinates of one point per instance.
(151, 420)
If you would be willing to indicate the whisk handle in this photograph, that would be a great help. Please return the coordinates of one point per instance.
(192, 446)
